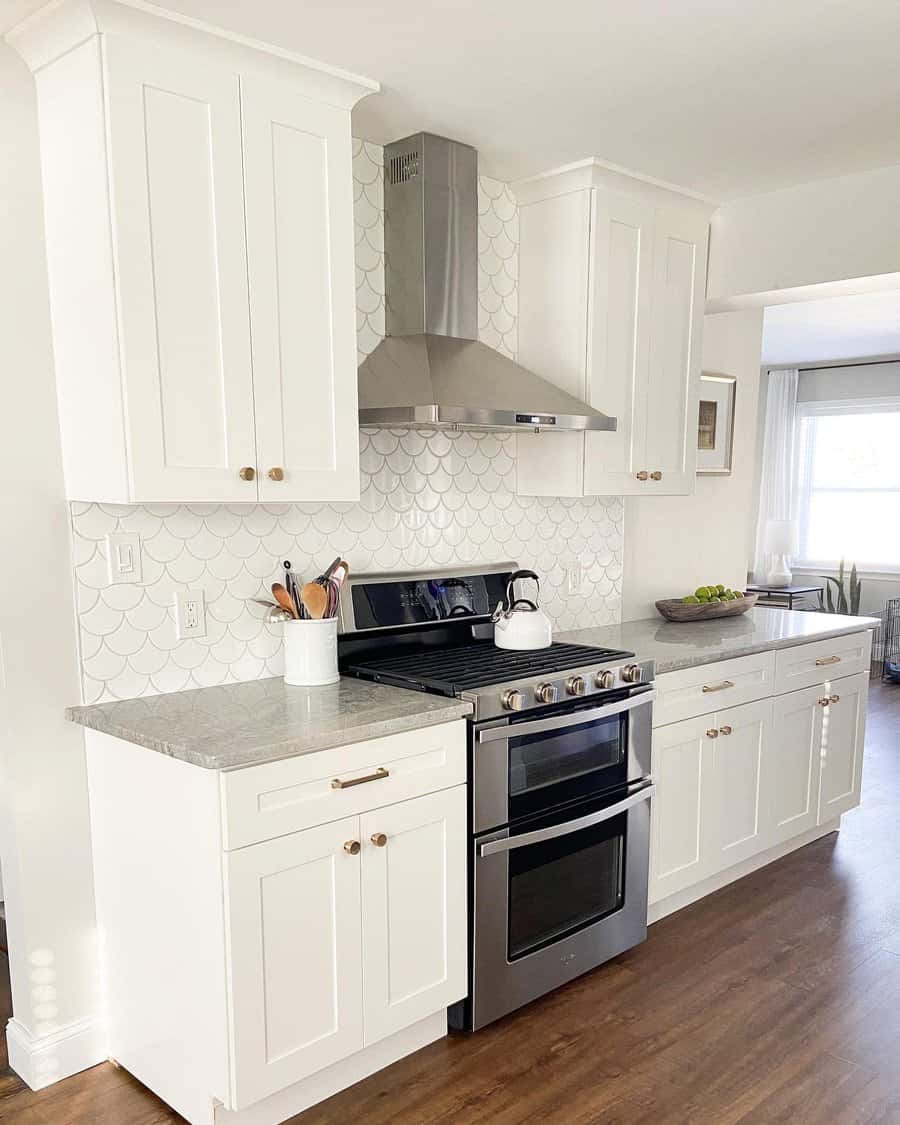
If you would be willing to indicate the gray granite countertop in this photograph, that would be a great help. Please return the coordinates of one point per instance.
(237, 725)
(675, 646)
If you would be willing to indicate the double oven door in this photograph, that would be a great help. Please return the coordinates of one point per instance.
(560, 848)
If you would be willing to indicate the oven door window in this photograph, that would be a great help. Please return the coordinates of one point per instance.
(568, 764)
(561, 885)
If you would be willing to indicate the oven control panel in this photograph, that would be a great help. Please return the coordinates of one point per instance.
(543, 691)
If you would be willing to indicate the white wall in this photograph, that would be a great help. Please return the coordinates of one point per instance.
(44, 831)
(676, 543)
(823, 232)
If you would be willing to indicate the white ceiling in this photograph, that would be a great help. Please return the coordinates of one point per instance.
(838, 328)
(727, 97)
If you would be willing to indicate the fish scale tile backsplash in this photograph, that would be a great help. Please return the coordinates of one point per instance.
(427, 499)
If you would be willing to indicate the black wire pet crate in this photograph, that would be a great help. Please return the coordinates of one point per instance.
(890, 632)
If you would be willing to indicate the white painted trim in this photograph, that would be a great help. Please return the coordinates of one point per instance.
(60, 25)
(41, 1060)
(661, 909)
(877, 283)
(593, 172)
(283, 1105)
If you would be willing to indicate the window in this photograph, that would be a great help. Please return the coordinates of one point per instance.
(848, 483)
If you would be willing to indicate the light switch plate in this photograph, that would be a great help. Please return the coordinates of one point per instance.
(123, 556)
(190, 614)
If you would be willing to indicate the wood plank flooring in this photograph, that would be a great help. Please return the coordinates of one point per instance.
(775, 1000)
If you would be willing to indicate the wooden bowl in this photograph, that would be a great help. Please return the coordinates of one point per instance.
(674, 609)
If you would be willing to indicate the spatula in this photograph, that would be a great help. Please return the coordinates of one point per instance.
(314, 599)
(284, 599)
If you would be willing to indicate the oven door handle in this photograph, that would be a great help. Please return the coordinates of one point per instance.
(509, 843)
(560, 722)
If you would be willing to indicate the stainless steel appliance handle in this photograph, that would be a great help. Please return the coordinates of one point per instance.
(560, 722)
(509, 843)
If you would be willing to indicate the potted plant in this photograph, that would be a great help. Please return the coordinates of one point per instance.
(839, 600)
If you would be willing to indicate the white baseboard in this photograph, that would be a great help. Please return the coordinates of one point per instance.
(677, 901)
(41, 1060)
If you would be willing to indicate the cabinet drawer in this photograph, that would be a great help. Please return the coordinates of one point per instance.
(817, 663)
(700, 691)
(262, 802)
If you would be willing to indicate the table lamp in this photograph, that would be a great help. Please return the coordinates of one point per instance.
(782, 540)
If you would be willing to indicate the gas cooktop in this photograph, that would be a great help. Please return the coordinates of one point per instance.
(451, 671)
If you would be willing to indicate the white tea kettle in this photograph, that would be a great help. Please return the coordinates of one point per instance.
(522, 624)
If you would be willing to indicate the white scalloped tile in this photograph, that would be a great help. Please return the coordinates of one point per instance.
(427, 499)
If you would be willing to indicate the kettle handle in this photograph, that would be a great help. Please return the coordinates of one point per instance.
(521, 574)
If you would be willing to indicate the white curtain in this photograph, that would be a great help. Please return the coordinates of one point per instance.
(776, 492)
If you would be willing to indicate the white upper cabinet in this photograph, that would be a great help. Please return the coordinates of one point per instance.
(199, 223)
(612, 273)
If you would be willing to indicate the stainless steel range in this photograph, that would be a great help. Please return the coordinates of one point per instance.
(559, 771)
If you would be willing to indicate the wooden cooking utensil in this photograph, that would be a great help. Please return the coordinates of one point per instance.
(314, 599)
(284, 599)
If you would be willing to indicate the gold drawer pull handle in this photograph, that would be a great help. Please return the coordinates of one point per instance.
(352, 847)
(717, 687)
(656, 475)
(835, 699)
(376, 776)
(824, 701)
(378, 839)
(712, 733)
(642, 475)
(823, 660)
(725, 730)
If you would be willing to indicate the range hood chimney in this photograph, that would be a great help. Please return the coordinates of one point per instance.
(431, 370)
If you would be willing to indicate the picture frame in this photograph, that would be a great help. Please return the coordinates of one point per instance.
(715, 424)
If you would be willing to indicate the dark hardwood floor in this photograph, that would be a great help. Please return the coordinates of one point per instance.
(775, 1000)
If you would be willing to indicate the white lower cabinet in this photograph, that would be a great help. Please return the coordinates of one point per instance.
(341, 935)
(413, 910)
(735, 783)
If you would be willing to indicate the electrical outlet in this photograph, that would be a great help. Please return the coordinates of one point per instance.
(575, 572)
(190, 614)
(123, 556)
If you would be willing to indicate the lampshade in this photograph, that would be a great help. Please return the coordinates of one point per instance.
(782, 537)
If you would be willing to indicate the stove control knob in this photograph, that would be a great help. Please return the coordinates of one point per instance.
(512, 700)
(545, 693)
(605, 679)
(632, 673)
(575, 685)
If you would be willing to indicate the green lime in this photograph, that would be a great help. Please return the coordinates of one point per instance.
(720, 589)
(701, 592)
(715, 598)
(704, 599)
(691, 599)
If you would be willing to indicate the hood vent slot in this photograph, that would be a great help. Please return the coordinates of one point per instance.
(403, 167)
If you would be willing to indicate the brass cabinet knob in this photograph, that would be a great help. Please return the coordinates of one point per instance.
(824, 701)
(352, 847)
(834, 699)
(712, 733)
(275, 474)
(725, 730)
(247, 473)
(656, 475)
(642, 475)
(378, 839)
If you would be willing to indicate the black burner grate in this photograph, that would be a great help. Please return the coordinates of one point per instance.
(450, 671)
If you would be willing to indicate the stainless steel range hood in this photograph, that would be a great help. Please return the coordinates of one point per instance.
(431, 370)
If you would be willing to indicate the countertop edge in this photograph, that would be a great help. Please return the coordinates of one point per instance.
(663, 666)
(276, 752)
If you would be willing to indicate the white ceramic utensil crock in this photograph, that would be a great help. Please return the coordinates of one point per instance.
(310, 652)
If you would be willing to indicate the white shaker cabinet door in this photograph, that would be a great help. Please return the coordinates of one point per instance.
(299, 199)
(414, 910)
(843, 736)
(618, 343)
(735, 800)
(681, 764)
(178, 230)
(793, 781)
(673, 381)
(294, 957)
